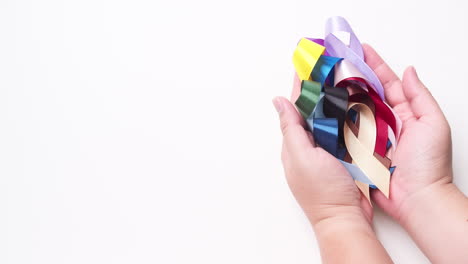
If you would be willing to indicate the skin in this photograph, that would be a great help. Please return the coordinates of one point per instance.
(422, 199)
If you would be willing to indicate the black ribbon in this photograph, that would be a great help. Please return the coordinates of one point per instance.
(335, 105)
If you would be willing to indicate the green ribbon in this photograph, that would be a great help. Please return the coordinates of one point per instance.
(310, 94)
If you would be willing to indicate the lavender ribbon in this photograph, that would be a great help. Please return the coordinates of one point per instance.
(352, 52)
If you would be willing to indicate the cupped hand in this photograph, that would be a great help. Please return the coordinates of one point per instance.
(423, 156)
(319, 182)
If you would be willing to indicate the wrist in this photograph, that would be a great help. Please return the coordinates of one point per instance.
(339, 217)
(346, 230)
(421, 202)
(436, 218)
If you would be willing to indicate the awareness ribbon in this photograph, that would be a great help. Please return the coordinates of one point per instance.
(343, 103)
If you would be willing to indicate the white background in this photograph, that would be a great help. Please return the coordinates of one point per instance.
(143, 131)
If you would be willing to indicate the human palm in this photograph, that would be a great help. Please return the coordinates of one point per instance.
(320, 184)
(423, 154)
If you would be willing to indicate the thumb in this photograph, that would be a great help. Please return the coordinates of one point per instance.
(421, 101)
(295, 137)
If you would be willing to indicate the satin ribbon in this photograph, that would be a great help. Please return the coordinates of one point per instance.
(310, 93)
(351, 51)
(361, 148)
(344, 105)
(306, 56)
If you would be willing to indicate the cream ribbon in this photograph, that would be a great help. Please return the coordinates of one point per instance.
(361, 149)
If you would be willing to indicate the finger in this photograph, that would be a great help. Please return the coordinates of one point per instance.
(296, 140)
(390, 81)
(420, 99)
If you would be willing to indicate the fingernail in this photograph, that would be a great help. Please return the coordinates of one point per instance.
(278, 104)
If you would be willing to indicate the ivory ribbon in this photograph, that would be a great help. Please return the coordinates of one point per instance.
(361, 148)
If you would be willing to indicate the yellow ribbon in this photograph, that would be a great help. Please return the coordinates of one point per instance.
(306, 56)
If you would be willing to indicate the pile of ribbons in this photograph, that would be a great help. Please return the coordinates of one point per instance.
(343, 103)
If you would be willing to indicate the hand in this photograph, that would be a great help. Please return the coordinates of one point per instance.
(423, 156)
(320, 184)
